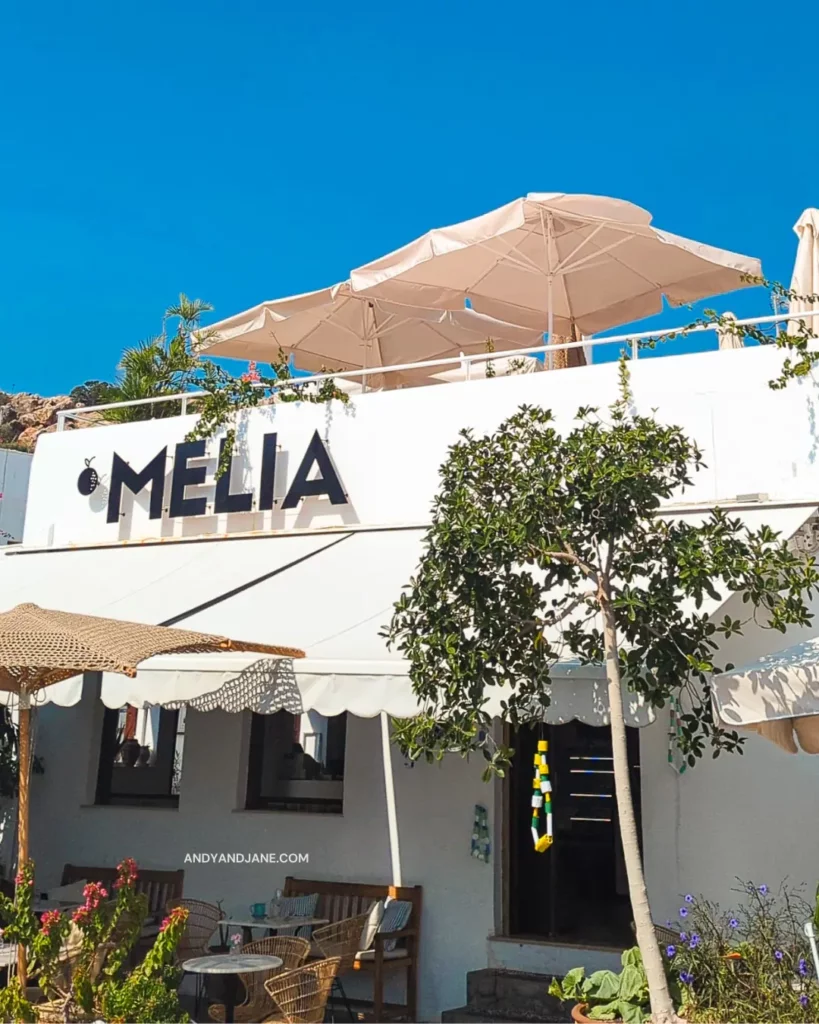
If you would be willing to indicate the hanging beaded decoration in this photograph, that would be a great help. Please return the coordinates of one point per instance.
(541, 799)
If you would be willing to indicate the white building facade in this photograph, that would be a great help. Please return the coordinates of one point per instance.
(152, 537)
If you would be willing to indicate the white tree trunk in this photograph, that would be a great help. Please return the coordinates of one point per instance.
(662, 1007)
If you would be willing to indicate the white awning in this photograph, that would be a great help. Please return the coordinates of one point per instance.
(776, 696)
(245, 682)
(330, 594)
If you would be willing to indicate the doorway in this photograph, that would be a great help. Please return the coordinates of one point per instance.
(576, 892)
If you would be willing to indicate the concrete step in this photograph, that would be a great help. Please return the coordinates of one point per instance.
(518, 995)
(468, 1014)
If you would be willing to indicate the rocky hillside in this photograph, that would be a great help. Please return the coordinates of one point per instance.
(24, 417)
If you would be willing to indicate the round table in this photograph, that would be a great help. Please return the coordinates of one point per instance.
(231, 965)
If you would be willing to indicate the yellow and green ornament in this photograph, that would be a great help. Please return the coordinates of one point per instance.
(542, 799)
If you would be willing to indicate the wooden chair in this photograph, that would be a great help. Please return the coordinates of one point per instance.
(159, 886)
(292, 950)
(300, 996)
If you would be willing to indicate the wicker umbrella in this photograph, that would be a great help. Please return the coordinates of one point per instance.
(39, 647)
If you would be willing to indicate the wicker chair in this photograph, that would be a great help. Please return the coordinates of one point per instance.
(342, 940)
(203, 919)
(300, 996)
(292, 950)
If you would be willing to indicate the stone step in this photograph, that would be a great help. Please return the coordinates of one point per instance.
(520, 995)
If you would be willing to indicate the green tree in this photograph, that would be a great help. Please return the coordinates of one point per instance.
(158, 367)
(547, 542)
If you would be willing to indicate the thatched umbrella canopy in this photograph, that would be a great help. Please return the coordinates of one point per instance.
(39, 647)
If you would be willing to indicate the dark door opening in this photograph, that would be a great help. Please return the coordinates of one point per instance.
(576, 891)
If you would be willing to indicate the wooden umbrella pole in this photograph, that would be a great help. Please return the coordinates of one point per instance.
(23, 808)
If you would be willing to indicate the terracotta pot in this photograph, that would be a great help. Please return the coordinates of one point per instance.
(581, 1018)
(130, 752)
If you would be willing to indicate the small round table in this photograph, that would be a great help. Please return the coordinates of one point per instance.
(231, 965)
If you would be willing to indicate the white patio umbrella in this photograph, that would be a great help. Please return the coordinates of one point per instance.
(776, 696)
(566, 263)
(805, 279)
(338, 328)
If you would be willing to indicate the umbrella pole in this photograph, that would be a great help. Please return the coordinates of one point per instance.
(24, 770)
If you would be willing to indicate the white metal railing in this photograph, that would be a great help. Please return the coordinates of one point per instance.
(633, 340)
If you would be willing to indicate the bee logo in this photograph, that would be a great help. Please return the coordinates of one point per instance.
(89, 479)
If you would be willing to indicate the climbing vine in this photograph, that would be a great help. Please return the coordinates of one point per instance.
(801, 360)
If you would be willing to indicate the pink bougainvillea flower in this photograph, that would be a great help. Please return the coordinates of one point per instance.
(48, 920)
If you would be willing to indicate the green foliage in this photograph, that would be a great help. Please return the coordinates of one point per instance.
(606, 995)
(749, 963)
(101, 934)
(801, 360)
(167, 365)
(149, 993)
(534, 530)
(93, 392)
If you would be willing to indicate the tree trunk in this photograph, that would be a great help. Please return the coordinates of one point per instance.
(662, 1007)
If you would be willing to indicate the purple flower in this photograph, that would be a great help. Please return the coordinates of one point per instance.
(682, 936)
(803, 966)
(686, 977)
(683, 912)
(763, 890)
(668, 924)
(689, 898)
(670, 952)
(778, 954)
(695, 941)
(733, 923)
(803, 1001)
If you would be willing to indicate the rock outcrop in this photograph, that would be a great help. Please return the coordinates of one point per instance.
(23, 417)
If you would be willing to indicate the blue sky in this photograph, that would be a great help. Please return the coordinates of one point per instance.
(249, 150)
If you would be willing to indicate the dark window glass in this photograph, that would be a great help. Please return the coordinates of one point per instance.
(141, 756)
(297, 762)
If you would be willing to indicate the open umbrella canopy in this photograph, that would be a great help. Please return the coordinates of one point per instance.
(558, 262)
(336, 327)
(39, 646)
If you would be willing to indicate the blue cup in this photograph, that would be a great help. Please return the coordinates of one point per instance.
(258, 909)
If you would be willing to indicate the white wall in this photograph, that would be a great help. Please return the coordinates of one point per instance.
(435, 806)
(753, 817)
(15, 468)
(387, 446)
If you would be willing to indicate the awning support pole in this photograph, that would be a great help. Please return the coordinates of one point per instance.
(389, 790)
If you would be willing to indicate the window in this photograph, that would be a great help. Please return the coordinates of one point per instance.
(296, 762)
(141, 757)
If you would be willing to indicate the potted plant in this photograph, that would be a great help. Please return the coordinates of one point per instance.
(80, 959)
(605, 995)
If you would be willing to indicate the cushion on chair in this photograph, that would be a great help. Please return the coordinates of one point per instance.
(295, 906)
(371, 927)
(396, 915)
(367, 955)
(68, 893)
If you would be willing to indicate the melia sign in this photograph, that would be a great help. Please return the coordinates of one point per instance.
(316, 476)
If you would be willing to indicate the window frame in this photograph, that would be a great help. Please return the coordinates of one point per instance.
(105, 771)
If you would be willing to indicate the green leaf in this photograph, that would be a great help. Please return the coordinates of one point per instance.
(602, 985)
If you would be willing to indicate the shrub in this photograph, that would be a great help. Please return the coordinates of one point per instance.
(750, 963)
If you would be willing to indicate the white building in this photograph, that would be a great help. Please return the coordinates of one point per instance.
(323, 575)
(14, 472)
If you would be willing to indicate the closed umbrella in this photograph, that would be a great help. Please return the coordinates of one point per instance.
(566, 263)
(336, 327)
(39, 647)
(805, 280)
